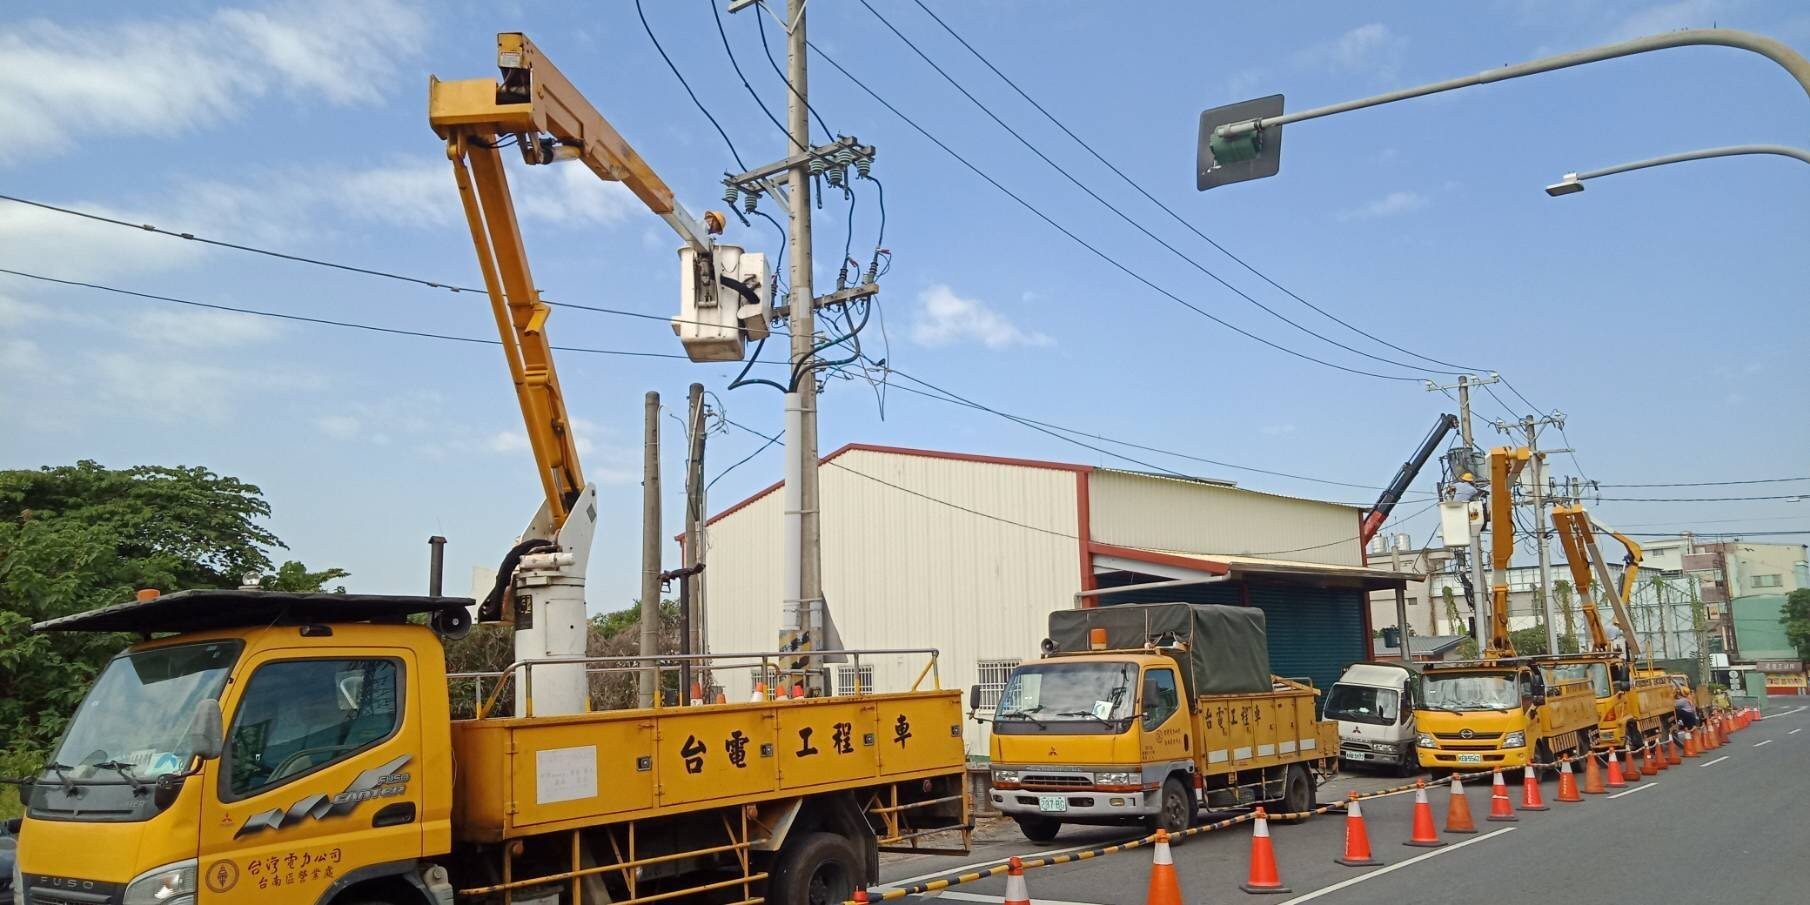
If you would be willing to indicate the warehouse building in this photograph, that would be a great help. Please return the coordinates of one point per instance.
(969, 554)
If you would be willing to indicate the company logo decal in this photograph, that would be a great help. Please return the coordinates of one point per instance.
(372, 784)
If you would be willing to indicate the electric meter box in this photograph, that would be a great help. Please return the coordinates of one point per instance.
(715, 321)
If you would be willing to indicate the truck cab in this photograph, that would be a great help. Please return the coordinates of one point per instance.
(1479, 715)
(1373, 704)
(1631, 705)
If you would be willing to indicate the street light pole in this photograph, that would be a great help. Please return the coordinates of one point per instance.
(1573, 183)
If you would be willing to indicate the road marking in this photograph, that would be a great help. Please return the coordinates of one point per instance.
(1711, 763)
(1795, 731)
(977, 897)
(1790, 712)
(1395, 867)
(1766, 742)
(984, 864)
(1640, 788)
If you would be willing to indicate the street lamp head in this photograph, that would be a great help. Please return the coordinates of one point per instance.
(1570, 185)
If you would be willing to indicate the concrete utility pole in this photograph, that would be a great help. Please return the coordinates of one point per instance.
(1480, 603)
(692, 630)
(649, 675)
(1531, 427)
(804, 585)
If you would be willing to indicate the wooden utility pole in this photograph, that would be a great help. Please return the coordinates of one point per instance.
(649, 675)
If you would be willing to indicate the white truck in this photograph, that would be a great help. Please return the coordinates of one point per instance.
(1374, 706)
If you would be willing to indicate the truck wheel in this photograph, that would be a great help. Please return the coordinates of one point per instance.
(1176, 809)
(1297, 793)
(1039, 829)
(819, 869)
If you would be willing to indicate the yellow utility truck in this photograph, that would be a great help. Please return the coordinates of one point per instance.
(1146, 714)
(1633, 703)
(278, 748)
(1500, 710)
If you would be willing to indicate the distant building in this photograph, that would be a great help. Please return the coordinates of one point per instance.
(1760, 637)
(1723, 571)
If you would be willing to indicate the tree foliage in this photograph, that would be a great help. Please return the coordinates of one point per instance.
(490, 648)
(1796, 619)
(77, 537)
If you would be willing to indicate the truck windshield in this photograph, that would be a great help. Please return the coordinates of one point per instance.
(1596, 673)
(1363, 704)
(135, 720)
(1084, 697)
(1471, 691)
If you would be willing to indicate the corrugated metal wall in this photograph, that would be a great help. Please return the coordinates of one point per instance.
(1314, 633)
(1133, 510)
(968, 557)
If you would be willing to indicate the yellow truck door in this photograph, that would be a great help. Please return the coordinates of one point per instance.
(319, 780)
(1164, 722)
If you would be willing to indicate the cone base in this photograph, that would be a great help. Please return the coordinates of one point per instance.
(1264, 890)
(1433, 844)
(1537, 807)
(1449, 830)
(1506, 818)
(1367, 862)
(1569, 800)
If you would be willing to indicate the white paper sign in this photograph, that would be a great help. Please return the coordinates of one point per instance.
(565, 774)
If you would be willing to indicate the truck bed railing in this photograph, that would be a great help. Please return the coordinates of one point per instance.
(774, 668)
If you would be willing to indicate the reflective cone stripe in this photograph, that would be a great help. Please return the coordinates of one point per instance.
(760, 693)
(1671, 753)
(1567, 783)
(1530, 791)
(1424, 836)
(1632, 774)
(1264, 877)
(1500, 810)
(1164, 888)
(1615, 778)
(1593, 776)
(1649, 765)
(1659, 763)
(1690, 743)
(1357, 837)
(697, 694)
(1016, 894)
(1458, 810)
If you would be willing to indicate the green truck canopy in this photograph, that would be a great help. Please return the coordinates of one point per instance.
(1228, 652)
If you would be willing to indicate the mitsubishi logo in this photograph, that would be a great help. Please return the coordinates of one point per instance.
(1466, 733)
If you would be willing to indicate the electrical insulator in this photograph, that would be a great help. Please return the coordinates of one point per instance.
(730, 190)
(864, 166)
(817, 166)
(749, 201)
(873, 271)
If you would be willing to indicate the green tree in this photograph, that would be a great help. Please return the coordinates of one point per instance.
(293, 576)
(77, 537)
(1796, 619)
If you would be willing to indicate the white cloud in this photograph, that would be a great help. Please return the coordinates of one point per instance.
(945, 318)
(1390, 205)
(1371, 48)
(32, 236)
(171, 388)
(339, 427)
(61, 85)
(20, 354)
(200, 329)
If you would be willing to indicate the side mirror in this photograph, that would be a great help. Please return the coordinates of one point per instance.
(973, 697)
(1624, 685)
(25, 792)
(13, 825)
(206, 737)
(1539, 699)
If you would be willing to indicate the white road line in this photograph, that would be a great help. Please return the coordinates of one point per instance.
(1395, 867)
(1795, 731)
(1766, 742)
(985, 864)
(1711, 763)
(1790, 712)
(1640, 788)
(954, 896)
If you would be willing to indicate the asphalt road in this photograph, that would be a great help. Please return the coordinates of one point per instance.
(1730, 826)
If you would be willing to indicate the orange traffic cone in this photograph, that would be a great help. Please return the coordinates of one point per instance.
(1690, 743)
(1567, 783)
(1458, 810)
(1424, 836)
(1016, 894)
(1659, 763)
(1530, 791)
(1671, 750)
(1593, 776)
(1500, 810)
(697, 694)
(779, 691)
(1264, 877)
(721, 698)
(797, 691)
(1357, 837)
(1615, 778)
(1649, 765)
(760, 693)
(1632, 774)
(860, 896)
(1164, 888)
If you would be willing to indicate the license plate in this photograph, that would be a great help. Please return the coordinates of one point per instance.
(1052, 804)
(1357, 755)
(1470, 758)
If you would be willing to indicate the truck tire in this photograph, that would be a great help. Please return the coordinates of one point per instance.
(1297, 793)
(1039, 829)
(818, 869)
(1175, 810)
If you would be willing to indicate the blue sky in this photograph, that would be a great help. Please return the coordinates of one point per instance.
(1663, 311)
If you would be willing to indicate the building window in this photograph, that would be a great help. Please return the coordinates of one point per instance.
(1766, 581)
(846, 678)
(993, 675)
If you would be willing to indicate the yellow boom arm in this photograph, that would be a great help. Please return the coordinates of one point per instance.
(1577, 533)
(536, 107)
(1505, 464)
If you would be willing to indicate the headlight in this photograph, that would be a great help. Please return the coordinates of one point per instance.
(1514, 740)
(1118, 779)
(1005, 775)
(171, 884)
(1426, 741)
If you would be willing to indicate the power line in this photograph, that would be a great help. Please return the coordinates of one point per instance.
(1163, 207)
(1713, 483)
(1772, 533)
(1195, 263)
(1096, 251)
(1702, 499)
(768, 50)
(736, 64)
(687, 86)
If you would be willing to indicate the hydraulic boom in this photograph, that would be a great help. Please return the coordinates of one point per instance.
(1577, 533)
(1379, 513)
(1505, 464)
